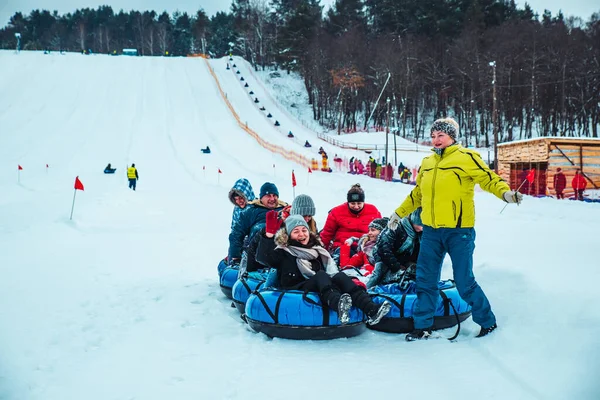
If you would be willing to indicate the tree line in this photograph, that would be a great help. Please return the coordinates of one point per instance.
(427, 58)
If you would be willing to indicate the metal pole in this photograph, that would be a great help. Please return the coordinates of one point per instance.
(495, 119)
(387, 130)
(377, 101)
(73, 205)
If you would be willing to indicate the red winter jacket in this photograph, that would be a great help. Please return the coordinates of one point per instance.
(578, 182)
(341, 224)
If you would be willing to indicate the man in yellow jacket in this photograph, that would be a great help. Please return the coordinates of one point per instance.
(445, 191)
(132, 175)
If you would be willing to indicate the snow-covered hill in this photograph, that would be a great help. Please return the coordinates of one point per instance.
(123, 302)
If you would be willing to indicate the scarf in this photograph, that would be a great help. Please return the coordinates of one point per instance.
(305, 255)
(439, 152)
(366, 246)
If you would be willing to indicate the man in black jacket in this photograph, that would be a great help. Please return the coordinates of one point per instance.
(252, 220)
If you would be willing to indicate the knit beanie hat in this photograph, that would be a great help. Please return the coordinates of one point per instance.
(293, 221)
(268, 188)
(356, 194)
(303, 205)
(447, 125)
(415, 217)
(379, 223)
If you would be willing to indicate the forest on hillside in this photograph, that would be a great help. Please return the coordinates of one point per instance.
(434, 57)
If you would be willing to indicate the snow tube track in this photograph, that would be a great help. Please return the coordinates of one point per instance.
(287, 154)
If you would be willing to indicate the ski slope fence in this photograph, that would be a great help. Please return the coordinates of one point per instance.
(287, 154)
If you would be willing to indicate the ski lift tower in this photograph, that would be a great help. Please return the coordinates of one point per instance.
(18, 36)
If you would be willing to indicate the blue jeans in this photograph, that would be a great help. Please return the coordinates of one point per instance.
(132, 183)
(459, 243)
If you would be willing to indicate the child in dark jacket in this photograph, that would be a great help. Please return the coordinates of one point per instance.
(302, 263)
(397, 253)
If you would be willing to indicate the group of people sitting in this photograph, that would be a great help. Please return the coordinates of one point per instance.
(354, 251)
(357, 248)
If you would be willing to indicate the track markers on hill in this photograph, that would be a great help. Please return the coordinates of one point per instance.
(78, 186)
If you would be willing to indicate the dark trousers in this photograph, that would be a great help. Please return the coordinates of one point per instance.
(331, 288)
(460, 244)
(560, 195)
(321, 281)
(132, 183)
(579, 194)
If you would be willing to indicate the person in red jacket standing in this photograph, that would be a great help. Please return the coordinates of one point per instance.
(578, 183)
(347, 220)
(560, 183)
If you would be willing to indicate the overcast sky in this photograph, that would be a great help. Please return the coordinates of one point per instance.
(581, 8)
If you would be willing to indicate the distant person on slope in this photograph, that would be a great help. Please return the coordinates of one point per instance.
(109, 169)
(132, 175)
(579, 184)
(560, 183)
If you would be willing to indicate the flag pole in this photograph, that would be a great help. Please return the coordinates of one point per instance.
(73, 205)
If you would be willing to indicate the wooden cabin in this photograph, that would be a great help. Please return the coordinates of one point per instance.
(546, 154)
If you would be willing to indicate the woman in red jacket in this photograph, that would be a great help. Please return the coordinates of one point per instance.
(347, 220)
(578, 183)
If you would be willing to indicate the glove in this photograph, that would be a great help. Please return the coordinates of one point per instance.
(350, 241)
(512, 197)
(234, 261)
(394, 221)
(273, 223)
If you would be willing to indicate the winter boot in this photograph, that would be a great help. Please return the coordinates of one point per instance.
(374, 312)
(341, 303)
(343, 309)
(418, 334)
(485, 331)
(381, 312)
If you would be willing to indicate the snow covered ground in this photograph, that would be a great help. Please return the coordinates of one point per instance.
(123, 301)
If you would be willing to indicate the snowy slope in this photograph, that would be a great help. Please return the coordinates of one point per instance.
(123, 301)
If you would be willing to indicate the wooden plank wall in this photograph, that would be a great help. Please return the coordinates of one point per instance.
(524, 152)
(584, 156)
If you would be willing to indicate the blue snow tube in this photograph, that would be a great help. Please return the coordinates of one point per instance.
(452, 309)
(222, 265)
(293, 314)
(244, 286)
(228, 278)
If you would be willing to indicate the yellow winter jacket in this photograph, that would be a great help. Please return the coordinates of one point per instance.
(131, 173)
(445, 188)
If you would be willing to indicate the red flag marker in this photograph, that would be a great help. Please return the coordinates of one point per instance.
(20, 168)
(220, 171)
(46, 165)
(310, 171)
(531, 175)
(78, 184)
(293, 179)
